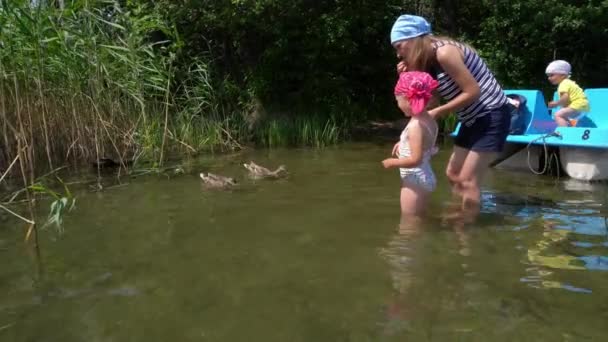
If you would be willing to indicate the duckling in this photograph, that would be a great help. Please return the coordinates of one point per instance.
(108, 163)
(217, 182)
(103, 163)
(258, 172)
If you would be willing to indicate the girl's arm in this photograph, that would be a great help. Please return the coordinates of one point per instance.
(564, 100)
(414, 138)
(450, 59)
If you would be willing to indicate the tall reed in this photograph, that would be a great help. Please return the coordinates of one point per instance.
(91, 79)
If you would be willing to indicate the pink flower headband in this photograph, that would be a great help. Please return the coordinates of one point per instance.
(417, 87)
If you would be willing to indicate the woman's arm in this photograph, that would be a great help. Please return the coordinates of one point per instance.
(450, 59)
(414, 136)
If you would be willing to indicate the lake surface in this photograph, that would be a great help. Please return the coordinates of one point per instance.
(319, 256)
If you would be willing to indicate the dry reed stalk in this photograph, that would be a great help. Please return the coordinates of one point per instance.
(102, 122)
(5, 121)
(9, 168)
(44, 123)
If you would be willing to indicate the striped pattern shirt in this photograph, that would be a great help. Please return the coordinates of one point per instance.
(492, 95)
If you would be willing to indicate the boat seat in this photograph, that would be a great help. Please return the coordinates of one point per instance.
(596, 118)
(537, 116)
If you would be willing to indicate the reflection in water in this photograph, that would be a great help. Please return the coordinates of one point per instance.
(514, 204)
(561, 242)
(400, 254)
(564, 224)
(541, 256)
(561, 247)
(538, 254)
(458, 218)
(419, 254)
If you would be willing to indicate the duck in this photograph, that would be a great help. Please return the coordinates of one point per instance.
(216, 181)
(257, 172)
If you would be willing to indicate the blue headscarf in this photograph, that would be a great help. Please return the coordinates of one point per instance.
(409, 26)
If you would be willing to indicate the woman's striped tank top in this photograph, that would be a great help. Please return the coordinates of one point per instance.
(492, 95)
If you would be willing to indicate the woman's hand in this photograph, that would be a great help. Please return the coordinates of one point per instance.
(434, 113)
(401, 67)
(396, 149)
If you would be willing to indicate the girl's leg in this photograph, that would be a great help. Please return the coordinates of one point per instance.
(562, 115)
(413, 200)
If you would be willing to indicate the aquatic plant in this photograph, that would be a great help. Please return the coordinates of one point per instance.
(62, 203)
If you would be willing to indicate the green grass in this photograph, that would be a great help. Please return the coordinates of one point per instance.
(301, 131)
(447, 124)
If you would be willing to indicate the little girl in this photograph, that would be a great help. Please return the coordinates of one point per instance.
(572, 99)
(417, 143)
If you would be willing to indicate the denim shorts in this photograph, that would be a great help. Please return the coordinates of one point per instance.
(488, 133)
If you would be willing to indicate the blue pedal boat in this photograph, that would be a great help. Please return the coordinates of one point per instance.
(580, 151)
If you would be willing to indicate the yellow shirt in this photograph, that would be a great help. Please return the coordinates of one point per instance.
(578, 99)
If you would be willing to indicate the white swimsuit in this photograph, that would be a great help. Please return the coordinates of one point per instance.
(421, 175)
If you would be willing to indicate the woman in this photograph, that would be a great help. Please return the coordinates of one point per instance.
(470, 90)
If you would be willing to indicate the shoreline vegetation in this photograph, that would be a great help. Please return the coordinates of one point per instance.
(81, 84)
(139, 82)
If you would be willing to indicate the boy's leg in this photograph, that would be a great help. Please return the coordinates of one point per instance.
(562, 116)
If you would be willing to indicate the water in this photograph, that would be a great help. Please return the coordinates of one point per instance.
(316, 257)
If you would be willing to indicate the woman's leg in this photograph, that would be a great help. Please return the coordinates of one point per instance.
(562, 116)
(477, 148)
(471, 174)
(455, 164)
